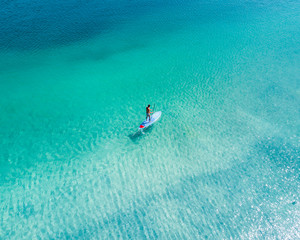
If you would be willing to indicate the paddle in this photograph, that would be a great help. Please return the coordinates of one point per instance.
(153, 107)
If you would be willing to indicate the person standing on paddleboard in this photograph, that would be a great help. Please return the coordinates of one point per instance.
(148, 112)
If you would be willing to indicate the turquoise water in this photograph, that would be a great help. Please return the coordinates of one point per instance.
(222, 162)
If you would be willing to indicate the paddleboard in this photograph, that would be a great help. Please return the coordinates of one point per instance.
(154, 117)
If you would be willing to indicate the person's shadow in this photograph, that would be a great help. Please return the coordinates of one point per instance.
(141, 133)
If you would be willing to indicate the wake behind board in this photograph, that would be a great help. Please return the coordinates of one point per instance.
(154, 117)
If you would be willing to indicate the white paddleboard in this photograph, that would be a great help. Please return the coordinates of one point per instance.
(154, 117)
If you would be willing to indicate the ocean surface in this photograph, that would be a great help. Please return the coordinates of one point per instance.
(221, 163)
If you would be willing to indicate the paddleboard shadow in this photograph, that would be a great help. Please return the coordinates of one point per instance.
(139, 134)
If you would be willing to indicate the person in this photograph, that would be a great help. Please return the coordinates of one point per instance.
(148, 112)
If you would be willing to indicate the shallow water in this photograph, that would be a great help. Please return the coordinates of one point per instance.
(223, 161)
